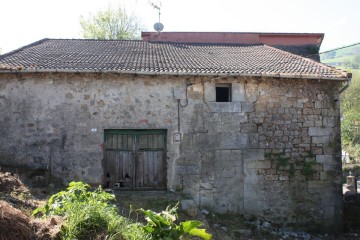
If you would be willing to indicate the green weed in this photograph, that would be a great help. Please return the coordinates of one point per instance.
(162, 225)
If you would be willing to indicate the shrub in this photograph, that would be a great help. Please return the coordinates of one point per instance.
(90, 215)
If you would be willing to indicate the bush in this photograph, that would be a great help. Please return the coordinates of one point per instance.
(90, 215)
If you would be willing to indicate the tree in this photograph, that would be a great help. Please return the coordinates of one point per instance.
(113, 23)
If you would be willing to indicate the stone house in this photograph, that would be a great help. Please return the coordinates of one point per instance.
(242, 122)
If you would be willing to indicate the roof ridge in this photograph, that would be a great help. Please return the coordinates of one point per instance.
(98, 40)
(206, 43)
(24, 47)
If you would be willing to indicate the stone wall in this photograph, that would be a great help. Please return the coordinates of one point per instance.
(57, 121)
(273, 152)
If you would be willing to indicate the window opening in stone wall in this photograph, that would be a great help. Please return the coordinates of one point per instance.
(223, 92)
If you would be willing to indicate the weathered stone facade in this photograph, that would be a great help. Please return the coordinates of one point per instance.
(272, 152)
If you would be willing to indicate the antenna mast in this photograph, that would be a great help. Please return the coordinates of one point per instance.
(157, 26)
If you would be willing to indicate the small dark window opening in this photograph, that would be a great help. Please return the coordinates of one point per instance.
(223, 92)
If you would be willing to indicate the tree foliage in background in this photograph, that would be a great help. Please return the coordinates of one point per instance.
(113, 23)
(350, 118)
(350, 111)
(348, 58)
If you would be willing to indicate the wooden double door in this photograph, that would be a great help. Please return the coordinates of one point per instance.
(135, 159)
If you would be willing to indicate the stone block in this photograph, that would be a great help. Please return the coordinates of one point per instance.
(283, 178)
(298, 105)
(248, 127)
(319, 185)
(272, 177)
(264, 164)
(254, 154)
(308, 111)
(309, 124)
(189, 207)
(207, 200)
(233, 140)
(331, 167)
(303, 100)
(322, 139)
(253, 140)
(327, 159)
(209, 92)
(226, 126)
(318, 104)
(238, 92)
(247, 107)
(250, 163)
(224, 172)
(251, 176)
(270, 171)
(286, 103)
(228, 158)
(227, 107)
(329, 121)
(320, 131)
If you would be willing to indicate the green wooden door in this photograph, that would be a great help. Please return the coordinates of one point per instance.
(135, 159)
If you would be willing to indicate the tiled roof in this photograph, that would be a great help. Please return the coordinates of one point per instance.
(162, 58)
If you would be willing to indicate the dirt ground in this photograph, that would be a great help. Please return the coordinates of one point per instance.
(221, 226)
(17, 202)
(16, 205)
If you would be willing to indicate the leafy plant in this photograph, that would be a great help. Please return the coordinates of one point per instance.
(77, 194)
(90, 215)
(162, 225)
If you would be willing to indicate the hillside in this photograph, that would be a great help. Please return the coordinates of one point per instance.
(346, 57)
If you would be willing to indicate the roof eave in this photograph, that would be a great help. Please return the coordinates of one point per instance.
(345, 77)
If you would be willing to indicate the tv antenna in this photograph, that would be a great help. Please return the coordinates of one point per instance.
(157, 26)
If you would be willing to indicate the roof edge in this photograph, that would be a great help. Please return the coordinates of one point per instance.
(24, 47)
(345, 77)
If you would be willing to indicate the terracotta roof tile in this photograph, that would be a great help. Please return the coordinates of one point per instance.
(167, 58)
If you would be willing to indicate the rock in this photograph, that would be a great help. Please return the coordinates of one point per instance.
(223, 228)
(204, 211)
(216, 225)
(266, 224)
(189, 207)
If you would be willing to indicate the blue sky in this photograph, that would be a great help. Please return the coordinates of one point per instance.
(25, 21)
